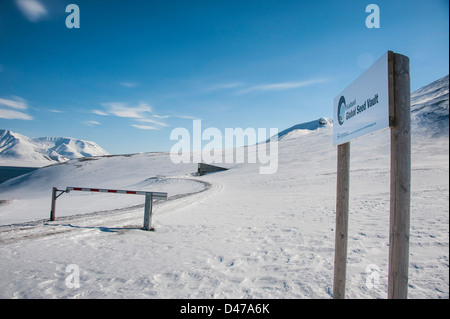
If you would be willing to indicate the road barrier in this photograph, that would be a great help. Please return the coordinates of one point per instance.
(149, 196)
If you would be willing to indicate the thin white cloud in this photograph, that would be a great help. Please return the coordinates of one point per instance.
(122, 110)
(17, 103)
(187, 117)
(161, 116)
(33, 10)
(98, 112)
(145, 127)
(142, 113)
(152, 121)
(281, 86)
(129, 84)
(12, 105)
(14, 115)
(92, 123)
(224, 86)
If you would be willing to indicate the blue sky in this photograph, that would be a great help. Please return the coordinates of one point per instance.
(135, 70)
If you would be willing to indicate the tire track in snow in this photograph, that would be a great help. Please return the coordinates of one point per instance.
(107, 220)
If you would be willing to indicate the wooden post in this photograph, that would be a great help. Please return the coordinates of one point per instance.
(400, 181)
(52, 211)
(341, 231)
(148, 211)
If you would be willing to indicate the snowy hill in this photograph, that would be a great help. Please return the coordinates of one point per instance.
(304, 128)
(19, 150)
(430, 108)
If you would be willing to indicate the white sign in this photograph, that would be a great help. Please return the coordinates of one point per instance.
(363, 107)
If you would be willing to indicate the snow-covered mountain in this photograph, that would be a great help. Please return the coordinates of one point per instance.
(430, 109)
(19, 150)
(304, 128)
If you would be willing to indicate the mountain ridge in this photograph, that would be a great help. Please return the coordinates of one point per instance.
(19, 150)
(430, 109)
(429, 118)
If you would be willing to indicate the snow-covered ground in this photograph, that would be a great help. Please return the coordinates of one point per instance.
(246, 236)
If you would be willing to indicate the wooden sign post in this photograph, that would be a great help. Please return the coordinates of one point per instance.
(389, 78)
(341, 231)
(400, 180)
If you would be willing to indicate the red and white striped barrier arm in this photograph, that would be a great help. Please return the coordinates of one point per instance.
(156, 195)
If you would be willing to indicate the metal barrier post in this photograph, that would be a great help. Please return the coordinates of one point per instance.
(148, 211)
(52, 211)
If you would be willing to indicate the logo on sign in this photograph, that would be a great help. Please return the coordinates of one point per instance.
(341, 110)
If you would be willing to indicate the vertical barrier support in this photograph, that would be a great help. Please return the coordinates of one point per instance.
(341, 231)
(54, 197)
(148, 211)
(52, 211)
